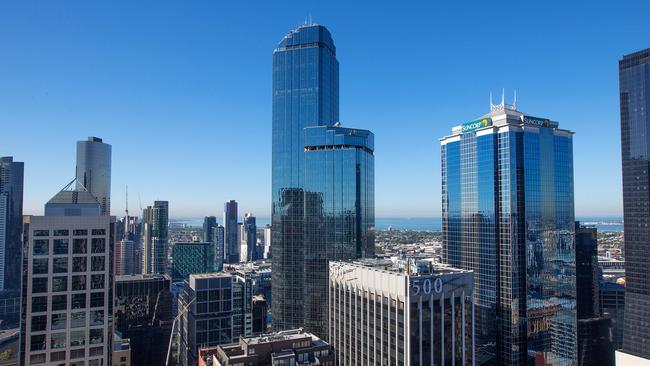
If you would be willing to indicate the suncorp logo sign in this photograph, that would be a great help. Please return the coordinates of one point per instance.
(475, 125)
(535, 121)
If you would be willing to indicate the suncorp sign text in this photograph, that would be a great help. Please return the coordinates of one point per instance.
(475, 125)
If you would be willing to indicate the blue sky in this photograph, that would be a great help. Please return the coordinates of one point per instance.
(182, 90)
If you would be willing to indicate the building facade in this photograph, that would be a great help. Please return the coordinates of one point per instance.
(339, 210)
(155, 232)
(408, 313)
(218, 233)
(125, 258)
(634, 85)
(209, 223)
(68, 283)
(143, 315)
(267, 242)
(94, 170)
(231, 232)
(11, 227)
(305, 93)
(249, 239)
(508, 215)
(191, 258)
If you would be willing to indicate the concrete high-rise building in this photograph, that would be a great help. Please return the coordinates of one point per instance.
(143, 315)
(125, 258)
(402, 313)
(68, 283)
(94, 170)
(339, 202)
(209, 223)
(218, 233)
(305, 93)
(267, 242)
(508, 215)
(11, 227)
(155, 231)
(249, 239)
(231, 232)
(191, 258)
(634, 85)
(612, 306)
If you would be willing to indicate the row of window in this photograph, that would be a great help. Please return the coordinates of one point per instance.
(66, 232)
(40, 358)
(61, 246)
(60, 302)
(59, 321)
(60, 284)
(60, 265)
(58, 340)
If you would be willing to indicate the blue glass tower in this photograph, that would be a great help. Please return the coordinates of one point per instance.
(305, 93)
(339, 211)
(507, 214)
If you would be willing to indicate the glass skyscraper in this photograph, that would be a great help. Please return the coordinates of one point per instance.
(94, 170)
(339, 210)
(305, 93)
(155, 226)
(634, 79)
(231, 243)
(508, 215)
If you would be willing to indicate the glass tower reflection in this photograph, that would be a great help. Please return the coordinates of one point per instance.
(507, 214)
(339, 211)
(305, 93)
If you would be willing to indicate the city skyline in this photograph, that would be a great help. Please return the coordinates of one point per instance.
(81, 94)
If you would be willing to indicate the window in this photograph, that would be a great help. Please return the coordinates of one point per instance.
(59, 321)
(60, 246)
(59, 302)
(99, 232)
(60, 284)
(96, 336)
(99, 245)
(41, 247)
(57, 356)
(39, 323)
(98, 264)
(96, 351)
(61, 232)
(37, 359)
(96, 299)
(79, 301)
(80, 232)
(78, 320)
(41, 233)
(79, 246)
(97, 281)
(94, 363)
(60, 265)
(78, 283)
(97, 317)
(39, 266)
(39, 285)
(79, 264)
(77, 338)
(39, 303)
(37, 342)
(57, 340)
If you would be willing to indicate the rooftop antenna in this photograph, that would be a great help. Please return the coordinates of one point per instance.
(491, 103)
(310, 23)
(503, 97)
(127, 202)
(140, 201)
(515, 103)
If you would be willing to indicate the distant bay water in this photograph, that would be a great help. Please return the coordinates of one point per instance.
(431, 223)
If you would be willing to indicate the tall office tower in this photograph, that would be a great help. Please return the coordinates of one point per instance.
(155, 230)
(260, 314)
(124, 258)
(206, 314)
(508, 215)
(249, 238)
(305, 93)
(259, 274)
(218, 233)
(267, 242)
(143, 315)
(94, 170)
(339, 210)
(191, 258)
(403, 313)
(634, 84)
(68, 283)
(209, 222)
(11, 227)
(594, 332)
(231, 232)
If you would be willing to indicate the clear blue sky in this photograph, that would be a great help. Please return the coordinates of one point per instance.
(182, 90)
